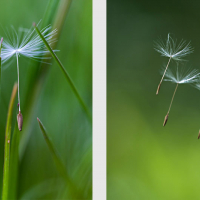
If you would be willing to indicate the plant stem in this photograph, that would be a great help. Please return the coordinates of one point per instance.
(65, 73)
(7, 145)
(172, 98)
(163, 77)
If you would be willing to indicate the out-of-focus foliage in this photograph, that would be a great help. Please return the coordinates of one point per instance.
(144, 159)
(56, 105)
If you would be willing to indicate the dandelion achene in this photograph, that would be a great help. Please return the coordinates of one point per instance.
(28, 44)
(20, 121)
(165, 120)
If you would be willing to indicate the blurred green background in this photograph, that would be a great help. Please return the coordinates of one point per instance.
(55, 104)
(144, 159)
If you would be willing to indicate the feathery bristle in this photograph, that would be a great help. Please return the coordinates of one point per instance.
(182, 77)
(172, 49)
(27, 43)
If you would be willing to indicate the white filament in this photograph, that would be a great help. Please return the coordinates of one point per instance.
(27, 43)
(172, 49)
(182, 77)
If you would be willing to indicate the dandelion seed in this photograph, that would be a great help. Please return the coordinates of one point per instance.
(28, 44)
(189, 76)
(172, 50)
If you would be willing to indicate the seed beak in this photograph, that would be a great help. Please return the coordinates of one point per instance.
(165, 120)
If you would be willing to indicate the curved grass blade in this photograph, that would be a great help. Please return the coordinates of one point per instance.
(58, 162)
(14, 163)
(7, 145)
(65, 73)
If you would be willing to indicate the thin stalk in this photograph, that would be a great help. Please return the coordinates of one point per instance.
(173, 98)
(18, 80)
(7, 145)
(57, 159)
(66, 74)
(166, 117)
(162, 77)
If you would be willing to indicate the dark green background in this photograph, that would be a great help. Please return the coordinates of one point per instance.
(144, 159)
(56, 105)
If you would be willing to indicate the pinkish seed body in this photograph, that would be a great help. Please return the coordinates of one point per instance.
(20, 121)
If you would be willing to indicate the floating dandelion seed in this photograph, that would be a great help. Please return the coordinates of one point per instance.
(190, 76)
(26, 43)
(172, 50)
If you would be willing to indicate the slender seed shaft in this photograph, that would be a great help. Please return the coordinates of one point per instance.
(166, 117)
(163, 77)
(18, 80)
(173, 98)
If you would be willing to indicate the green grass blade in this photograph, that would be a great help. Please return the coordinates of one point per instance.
(65, 73)
(7, 145)
(0, 64)
(58, 162)
(14, 163)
